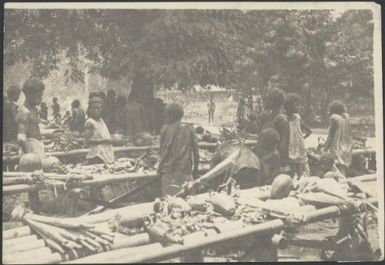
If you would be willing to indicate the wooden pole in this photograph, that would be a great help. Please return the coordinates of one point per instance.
(16, 232)
(24, 246)
(27, 255)
(96, 181)
(122, 149)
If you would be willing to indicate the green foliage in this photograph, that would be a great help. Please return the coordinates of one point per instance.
(309, 52)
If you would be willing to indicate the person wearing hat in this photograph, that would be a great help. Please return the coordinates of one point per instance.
(97, 135)
(27, 119)
(10, 108)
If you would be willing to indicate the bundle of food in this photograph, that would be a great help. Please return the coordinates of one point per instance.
(175, 217)
(65, 236)
(147, 161)
(64, 141)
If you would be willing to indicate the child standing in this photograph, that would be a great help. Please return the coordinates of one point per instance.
(339, 142)
(97, 135)
(298, 131)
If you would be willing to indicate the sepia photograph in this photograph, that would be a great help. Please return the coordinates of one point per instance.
(192, 132)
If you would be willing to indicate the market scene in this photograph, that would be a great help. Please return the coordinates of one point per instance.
(159, 135)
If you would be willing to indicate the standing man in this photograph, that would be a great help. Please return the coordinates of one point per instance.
(56, 109)
(10, 109)
(28, 130)
(211, 108)
(179, 152)
(276, 118)
(339, 142)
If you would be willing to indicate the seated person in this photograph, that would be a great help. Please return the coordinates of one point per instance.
(327, 167)
(266, 150)
(358, 166)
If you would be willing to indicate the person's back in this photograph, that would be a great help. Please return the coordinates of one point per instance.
(179, 151)
(176, 148)
(341, 144)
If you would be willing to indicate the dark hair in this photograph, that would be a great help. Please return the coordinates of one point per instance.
(75, 103)
(102, 94)
(174, 112)
(54, 98)
(111, 93)
(43, 105)
(253, 117)
(291, 103)
(121, 100)
(92, 94)
(336, 107)
(13, 89)
(275, 98)
(269, 138)
(31, 86)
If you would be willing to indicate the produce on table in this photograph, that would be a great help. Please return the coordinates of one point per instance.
(64, 141)
(50, 163)
(30, 162)
(281, 186)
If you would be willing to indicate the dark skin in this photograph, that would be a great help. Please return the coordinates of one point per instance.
(32, 100)
(332, 131)
(95, 112)
(305, 129)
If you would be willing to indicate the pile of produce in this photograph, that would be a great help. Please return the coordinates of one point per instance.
(64, 236)
(63, 142)
(175, 217)
(147, 161)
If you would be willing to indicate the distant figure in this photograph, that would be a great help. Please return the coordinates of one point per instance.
(159, 115)
(275, 118)
(249, 105)
(211, 108)
(93, 94)
(241, 114)
(97, 135)
(119, 116)
(109, 108)
(43, 112)
(10, 108)
(179, 151)
(135, 117)
(78, 117)
(66, 120)
(298, 132)
(28, 130)
(258, 105)
(339, 141)
(56, 109)
(252, 126)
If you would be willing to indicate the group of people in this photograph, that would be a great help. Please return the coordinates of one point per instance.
(282, 134)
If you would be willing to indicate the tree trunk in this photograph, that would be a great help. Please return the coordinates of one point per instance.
(143, 91)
